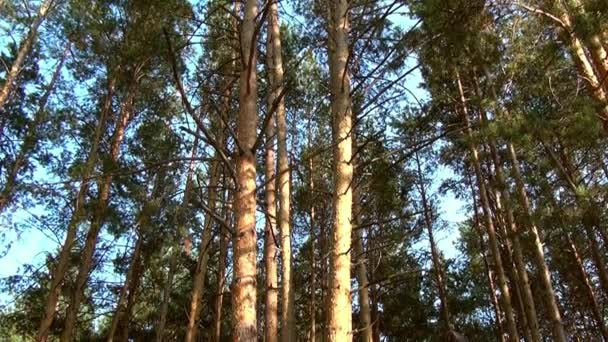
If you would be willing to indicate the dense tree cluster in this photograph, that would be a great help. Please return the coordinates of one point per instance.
(278, 170)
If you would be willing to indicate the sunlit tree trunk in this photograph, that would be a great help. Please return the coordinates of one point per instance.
(595, 46)
(271, 325)
(62, 263)
(494, 246)
(244, 292)
(584, 65)
(99, 214)
(283, 182)
(513, 235)
(24, 51)
(339, 322)
(544, 274)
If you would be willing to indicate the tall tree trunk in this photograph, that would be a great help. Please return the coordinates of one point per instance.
(123, 323)
(500, 332)
(283, 182)
(244, 293)
(313, 278)
(164, 306)
(134, 269)
(584, 65)
(324, 275)
(30, 140)
(61, 266)
(174, 253)
(24, 51)
(595, 310)
(126, 288)
(312, 237)
(362, 279)
(590, 217)
(597, 257)
(339, 322)
(513, 235)
(99, 213)
(203, 256)
(435, 256)
(224, 238)
(507, 256)
(271, 331)
(494, 247)
(360, 257)
(544, 274)
(482, 247)
(594, 44)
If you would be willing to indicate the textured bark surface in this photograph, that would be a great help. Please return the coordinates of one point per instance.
(271, 325)
(86, 256)
(61, 266)
(538, 253)
(339, 322)
(585, 66)
(244, 290)
(283, 186)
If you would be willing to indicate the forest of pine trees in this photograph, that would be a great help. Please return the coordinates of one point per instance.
(303, 170)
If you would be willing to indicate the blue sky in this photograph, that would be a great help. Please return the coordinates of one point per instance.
(33, 244)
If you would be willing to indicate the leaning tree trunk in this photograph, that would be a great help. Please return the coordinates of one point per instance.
(513, 235)
(339, 323)
(24, 51)
(244, 292)
(61, 266)
(126, 288)
(495, 305)
(133, 271)
(203, 256)
(493, 241)
(435, 257)
(585, 66)
(30, 141)
(544, 274)
(99, 213)
(595, 309)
